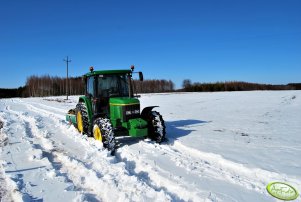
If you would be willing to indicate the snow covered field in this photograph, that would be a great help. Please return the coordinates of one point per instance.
(222, 147)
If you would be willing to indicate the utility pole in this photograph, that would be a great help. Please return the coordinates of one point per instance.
(67, 86)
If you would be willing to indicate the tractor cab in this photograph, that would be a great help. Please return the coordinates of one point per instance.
(101, 86)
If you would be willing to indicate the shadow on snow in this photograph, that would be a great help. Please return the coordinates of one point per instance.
(174, 131)
(181, 128)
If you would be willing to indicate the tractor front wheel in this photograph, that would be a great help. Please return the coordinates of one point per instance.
(156, 126)
(82, 118)
(103, 131)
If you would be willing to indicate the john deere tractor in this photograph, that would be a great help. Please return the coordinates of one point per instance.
(109, 109)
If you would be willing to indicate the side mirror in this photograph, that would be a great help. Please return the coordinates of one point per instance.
(140, 76)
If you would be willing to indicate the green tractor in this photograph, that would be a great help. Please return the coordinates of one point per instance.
(110, 108)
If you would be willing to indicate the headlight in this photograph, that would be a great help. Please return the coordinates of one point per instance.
(137, 111)
(128, 112)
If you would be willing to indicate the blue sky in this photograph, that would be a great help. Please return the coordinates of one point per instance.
(205, 41)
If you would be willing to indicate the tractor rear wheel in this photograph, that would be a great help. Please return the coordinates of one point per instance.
(82, 118)
(103, 131)
(156, 126)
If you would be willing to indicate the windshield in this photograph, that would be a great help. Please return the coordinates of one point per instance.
(112, 85)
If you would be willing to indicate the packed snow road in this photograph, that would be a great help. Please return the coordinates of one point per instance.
(222, 147)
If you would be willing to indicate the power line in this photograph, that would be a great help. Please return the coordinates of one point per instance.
(67, 86)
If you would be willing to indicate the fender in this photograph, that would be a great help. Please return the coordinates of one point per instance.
(146, 110)
(88, 104)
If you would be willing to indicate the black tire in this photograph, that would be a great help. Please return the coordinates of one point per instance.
(107, 133)
(156, 126)
(82, 118)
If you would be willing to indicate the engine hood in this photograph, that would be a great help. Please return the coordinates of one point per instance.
(122, 101)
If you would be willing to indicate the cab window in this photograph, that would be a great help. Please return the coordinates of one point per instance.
(90, 86)
(112, 86)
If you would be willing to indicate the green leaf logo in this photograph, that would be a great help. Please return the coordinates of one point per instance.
(282, 191)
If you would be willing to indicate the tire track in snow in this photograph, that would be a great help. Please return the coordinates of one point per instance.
(35, 153)
(40, 142)
(43, 111)
(153, 171)
(147, 176)
(24, 159)
(201, 165)
(90, 179)
(173, 188)
(45, 107)
(160, 180)
(255, 176)
(208, 164)
(49, 150)
(8, 188)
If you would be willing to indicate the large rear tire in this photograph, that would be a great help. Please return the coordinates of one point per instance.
(82, 118)
(156, 126)
(103, 131)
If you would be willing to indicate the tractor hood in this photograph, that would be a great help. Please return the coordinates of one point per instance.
(123, 109)
(122, 101)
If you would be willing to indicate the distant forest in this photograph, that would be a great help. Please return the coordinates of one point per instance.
(41, 86)
(188, 86)
(14, 92)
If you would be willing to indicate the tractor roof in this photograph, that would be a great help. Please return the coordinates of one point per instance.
(122, 71)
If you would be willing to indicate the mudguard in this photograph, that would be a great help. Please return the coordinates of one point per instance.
(146, 110)
(88, 105)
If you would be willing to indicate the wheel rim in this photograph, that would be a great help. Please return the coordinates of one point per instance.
(79, 122)
(97, 133)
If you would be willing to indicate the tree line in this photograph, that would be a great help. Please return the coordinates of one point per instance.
(53, 86)
(153, 86)
(39, 86)
(188, 86)
(15, 92)
(42, 86)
